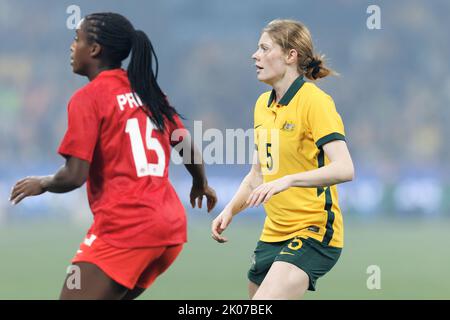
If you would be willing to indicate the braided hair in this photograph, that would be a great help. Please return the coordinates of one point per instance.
(118, 38)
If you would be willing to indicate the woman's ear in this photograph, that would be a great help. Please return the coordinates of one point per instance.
(292, 56)
(95, 50)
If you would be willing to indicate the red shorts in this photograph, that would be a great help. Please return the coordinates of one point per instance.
(129, 267)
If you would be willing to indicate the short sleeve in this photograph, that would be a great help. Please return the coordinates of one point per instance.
(323, 120)
(83, 128)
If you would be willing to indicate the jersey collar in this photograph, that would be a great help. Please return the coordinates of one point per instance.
(290, 93)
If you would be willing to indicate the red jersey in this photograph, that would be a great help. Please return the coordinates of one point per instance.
(129, 192)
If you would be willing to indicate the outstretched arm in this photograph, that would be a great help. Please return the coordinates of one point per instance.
(238, 203)
(69, 177)
(340, 169)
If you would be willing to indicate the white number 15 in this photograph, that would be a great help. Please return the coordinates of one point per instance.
(143, 168)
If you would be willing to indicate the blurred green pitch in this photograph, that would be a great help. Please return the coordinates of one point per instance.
(413, 256)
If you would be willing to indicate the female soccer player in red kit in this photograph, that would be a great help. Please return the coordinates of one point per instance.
(118, 140)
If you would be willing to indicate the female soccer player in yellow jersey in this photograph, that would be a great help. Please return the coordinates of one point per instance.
(300, 156)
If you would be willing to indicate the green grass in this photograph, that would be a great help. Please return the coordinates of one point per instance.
(414, 259)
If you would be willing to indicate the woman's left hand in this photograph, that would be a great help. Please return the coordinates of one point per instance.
(265, 191)
(197, 193)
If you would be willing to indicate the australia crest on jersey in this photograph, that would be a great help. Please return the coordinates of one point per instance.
(288, 126)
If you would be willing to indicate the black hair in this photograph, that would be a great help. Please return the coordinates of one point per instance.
(118, 37)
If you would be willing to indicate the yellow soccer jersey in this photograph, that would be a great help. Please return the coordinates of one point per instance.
(289, 136)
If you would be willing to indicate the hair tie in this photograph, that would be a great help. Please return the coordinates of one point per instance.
(315, 66)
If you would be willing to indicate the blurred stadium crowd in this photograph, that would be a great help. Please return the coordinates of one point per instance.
(393, 91)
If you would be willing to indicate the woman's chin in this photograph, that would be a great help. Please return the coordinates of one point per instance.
(260, 77)
(75, 69)
(265, 80)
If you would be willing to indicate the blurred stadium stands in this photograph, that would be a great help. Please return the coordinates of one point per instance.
(393, 92)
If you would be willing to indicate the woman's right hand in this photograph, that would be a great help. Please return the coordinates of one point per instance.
(219, 224)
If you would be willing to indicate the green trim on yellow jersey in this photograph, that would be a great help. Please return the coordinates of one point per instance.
(328, 138)
(290, 93)
(289, 138)
(330, 218)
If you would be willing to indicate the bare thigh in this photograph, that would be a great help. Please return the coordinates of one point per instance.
(93, 284)
(284, 281)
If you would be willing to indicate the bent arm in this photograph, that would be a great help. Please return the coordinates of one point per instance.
(69, 177)
(193, 162)
(239, 202)
(251, 181)
(194, 165)
(340, 169)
